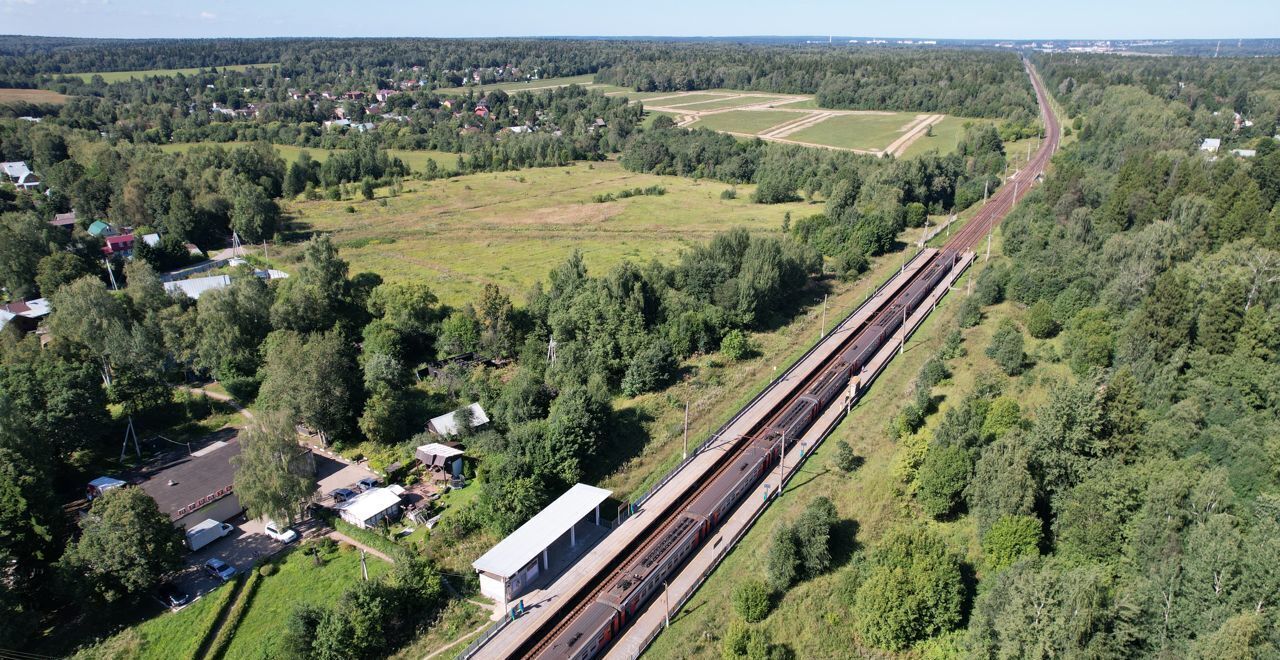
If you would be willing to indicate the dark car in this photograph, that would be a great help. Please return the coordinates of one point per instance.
(366, 483)
(172, 596)
(219, 569)
(342, 494)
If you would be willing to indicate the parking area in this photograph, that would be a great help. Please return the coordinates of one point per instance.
(241, 548)
(331, 474)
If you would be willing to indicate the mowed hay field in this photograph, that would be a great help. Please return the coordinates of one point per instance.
(946, 137)
(513, 87)
(748, 122)
(11, 95)
(118, 76)
(511, 228)
(861, 131)
(416, 160)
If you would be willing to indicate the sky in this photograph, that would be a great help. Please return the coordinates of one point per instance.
(941, 19)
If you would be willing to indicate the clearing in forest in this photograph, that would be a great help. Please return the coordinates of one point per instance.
(11, 95)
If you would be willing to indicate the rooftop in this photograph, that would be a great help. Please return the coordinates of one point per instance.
(523, 545)
(179, 484)
(448, 424)
(194, 287)
(370, 503)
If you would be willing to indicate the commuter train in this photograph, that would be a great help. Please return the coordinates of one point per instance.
(603, 619)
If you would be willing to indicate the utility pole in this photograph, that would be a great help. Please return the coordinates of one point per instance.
(686, 429)
(111, 274)
(782, 454)
(989, 244)
(822, 331)
(364, 568)
(986, 188)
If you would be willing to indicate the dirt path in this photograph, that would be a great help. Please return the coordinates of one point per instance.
(339, 536)
(458, 641)
(795, 126)
(225, 398)
(920, 127)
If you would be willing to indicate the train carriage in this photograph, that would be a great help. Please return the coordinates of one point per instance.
(720, 496)
(588, 635)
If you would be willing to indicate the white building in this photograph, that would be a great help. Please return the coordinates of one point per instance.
(1211, 145)
(509, 568)
(370, 507)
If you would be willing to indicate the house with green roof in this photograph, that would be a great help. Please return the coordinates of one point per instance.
(101, 228)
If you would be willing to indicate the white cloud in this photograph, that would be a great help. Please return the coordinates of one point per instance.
(208, 15)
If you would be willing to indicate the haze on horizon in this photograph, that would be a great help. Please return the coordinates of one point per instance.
(937, 19)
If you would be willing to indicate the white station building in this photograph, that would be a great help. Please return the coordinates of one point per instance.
(509, 568)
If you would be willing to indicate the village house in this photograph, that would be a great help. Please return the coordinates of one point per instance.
(64, 220)
(25, 315)
(21, 176)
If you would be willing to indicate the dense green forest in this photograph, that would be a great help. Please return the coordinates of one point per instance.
(1135, 514)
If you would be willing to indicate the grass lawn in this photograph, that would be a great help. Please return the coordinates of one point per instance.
(690, 98)
(856, 131)
(460, 622)
(416, 160)
(512, 228)
(10, 95)
(745, 121)
(117, 76)
(512, 87)
(946, 137)
(752, 99)
(298, 581)
(170, 635)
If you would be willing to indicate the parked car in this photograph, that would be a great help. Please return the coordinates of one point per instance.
(342, 494)
(172, 596)
(366, 483)
(219, 569)
(279, 532)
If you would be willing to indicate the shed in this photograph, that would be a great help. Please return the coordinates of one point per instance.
(510, 567)
(64, 220)
(1211, 145)
(447, 425)
(194, 287)
(100, 228)
(443, 461)
(101, 485)
(370, 507)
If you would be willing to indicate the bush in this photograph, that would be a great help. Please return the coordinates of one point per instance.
(1010, 539)
(913, 590)
(783, 563)
(731, 193)
(651, 369)
(752, 600)
(736, 345)
(845, 459)
(970, 313)
(952, 346)
(268, 569)
(942, 479)
(1040, 321)
(1006, 349)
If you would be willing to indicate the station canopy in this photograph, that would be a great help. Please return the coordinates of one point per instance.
(523, 545)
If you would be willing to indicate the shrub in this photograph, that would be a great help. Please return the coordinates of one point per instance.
(970, 313)
(736, 345)
(952, 346)
(752, 600)
(913, 590)
(845, 459)
(731, 193)
(1040, 321)
(1006, 349)
(783, 563)
(1010, 539)
(268, 569)
(942, 479)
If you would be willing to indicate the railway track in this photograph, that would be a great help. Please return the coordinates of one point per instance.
(1007, 196)
(590, 617)
(746, 460)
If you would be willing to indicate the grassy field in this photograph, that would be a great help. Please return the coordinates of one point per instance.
(752, 99)
(683, 100)
(745, 121)
(416, 160)
(170, 635)
(299, 581)
(118, 76)
(511, 87)
(946, 136)
(511, 228)
(11, 95)
(856, 131)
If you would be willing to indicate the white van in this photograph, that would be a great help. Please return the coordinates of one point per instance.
(207, 532)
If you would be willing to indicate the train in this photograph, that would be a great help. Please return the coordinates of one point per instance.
(641, 577)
